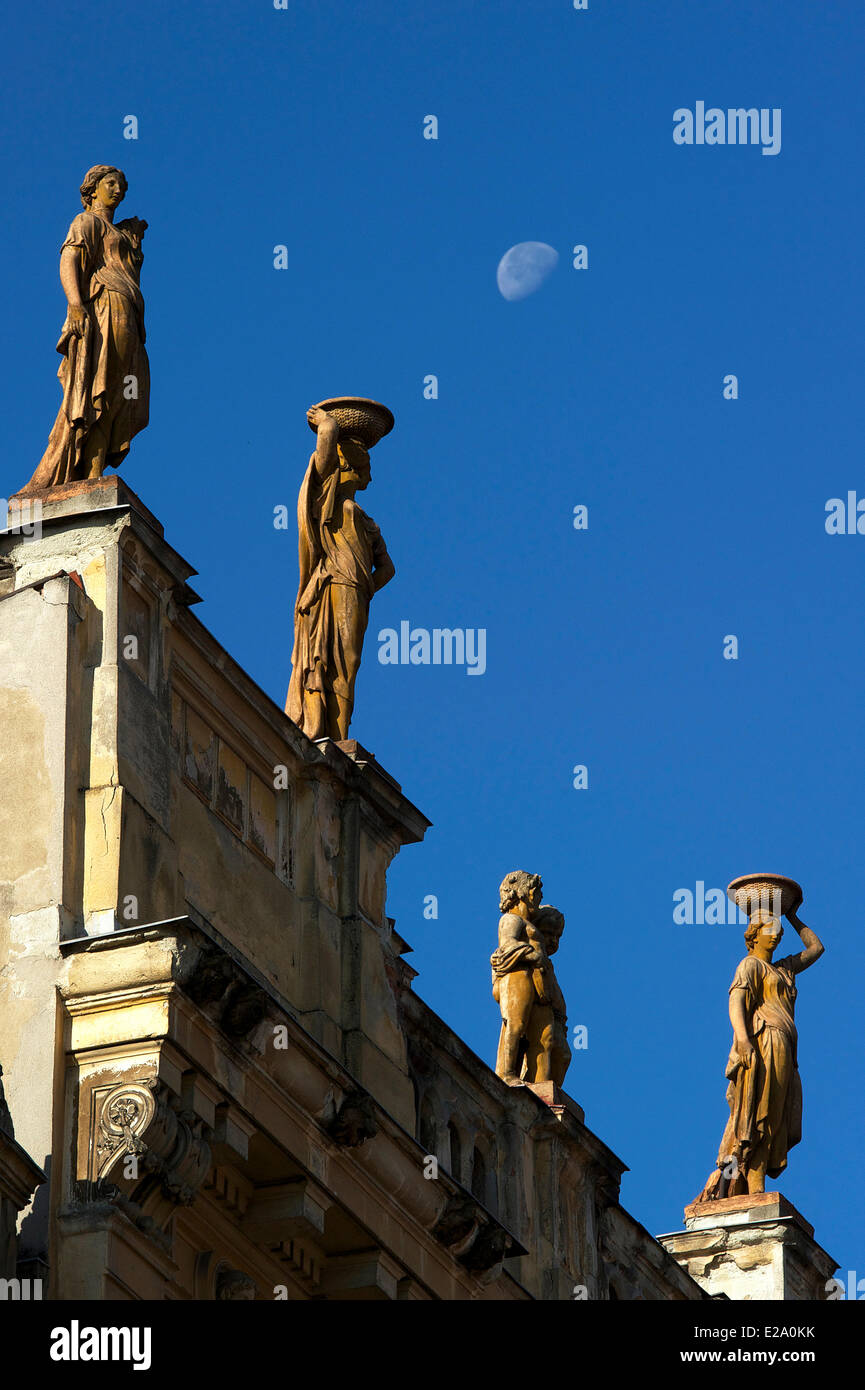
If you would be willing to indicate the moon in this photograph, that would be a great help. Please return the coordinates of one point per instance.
(524, 268)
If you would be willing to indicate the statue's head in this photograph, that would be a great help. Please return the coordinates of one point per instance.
(763, 927)
(103, 184)
(232, 1285)
(519, 887)
(547, 928)
(354, 465)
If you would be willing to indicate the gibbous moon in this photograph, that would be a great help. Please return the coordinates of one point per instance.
(524, 268)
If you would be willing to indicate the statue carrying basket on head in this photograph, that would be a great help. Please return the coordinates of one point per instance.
(764, 1093)
(343, 562)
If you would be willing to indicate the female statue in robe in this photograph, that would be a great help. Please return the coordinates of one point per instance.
(764, 1092)
(104, 374)
(343, 562)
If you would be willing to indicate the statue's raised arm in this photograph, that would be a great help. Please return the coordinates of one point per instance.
(814, 947)
(326, 457)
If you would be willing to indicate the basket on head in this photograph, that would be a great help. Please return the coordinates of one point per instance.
(358, 418)
(765, 892)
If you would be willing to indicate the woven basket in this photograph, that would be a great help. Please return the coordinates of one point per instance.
(771, 892)
(358, 418)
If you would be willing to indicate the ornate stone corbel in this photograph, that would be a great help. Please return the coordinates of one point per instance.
(243, 1009)
(145, 1122)
(487, 1250)
(353, 1121)
(458, 1225)
(479, 1244)
(209, 977)
(126, 1112)
(218, 987)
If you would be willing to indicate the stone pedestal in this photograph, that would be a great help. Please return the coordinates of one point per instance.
(753, 1247)
(553, 1096)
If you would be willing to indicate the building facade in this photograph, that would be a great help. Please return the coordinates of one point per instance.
(221, 1081)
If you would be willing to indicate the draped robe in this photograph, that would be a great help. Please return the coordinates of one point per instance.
(339, 547)
(765, 1097)
(96, 368)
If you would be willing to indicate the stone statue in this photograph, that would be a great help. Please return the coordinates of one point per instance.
(104, 373)
(343, 562)
(764, 1092)
(533, 1044)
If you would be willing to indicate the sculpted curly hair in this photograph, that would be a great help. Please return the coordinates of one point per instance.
(92, 177)
(516, 886)
(754, 926)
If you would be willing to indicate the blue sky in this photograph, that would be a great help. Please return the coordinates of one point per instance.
(303, 128)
